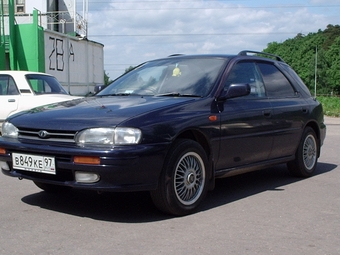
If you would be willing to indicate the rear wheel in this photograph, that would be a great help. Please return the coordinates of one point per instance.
(183, 181)
(306, 156)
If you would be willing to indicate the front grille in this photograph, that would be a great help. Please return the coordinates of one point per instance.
(47, 135)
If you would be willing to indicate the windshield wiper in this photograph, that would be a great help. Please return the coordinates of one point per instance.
(115, 94)
(176, 94)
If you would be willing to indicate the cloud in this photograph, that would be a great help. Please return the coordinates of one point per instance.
(324, 1)
(135, 31)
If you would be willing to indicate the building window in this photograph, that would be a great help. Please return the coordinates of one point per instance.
(18, 8)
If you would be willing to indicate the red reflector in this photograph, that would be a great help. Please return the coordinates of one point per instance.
(86, 160)
(2, 151)
(212, 117)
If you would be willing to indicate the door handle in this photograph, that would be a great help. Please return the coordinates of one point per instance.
(267, 113)
(11, 100)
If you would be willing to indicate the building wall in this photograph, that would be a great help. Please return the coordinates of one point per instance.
(28, 57)
(77, 63)
(31, 5)
(2, 57)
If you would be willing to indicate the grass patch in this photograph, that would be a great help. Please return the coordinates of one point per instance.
(331, 105)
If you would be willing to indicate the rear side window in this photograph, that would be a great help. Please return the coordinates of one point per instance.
(7, 86)
(277, 85)
(297, 78)
(43, 84)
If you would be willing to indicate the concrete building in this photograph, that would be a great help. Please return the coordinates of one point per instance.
(51, 36)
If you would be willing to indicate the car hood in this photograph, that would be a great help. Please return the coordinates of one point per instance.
(28, 102)
(92, 112)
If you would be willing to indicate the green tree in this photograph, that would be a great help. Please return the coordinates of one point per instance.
(129, 69)
(333, 71)
(315, 51)
(107, 79)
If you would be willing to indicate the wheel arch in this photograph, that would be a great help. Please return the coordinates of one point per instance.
(198, 137)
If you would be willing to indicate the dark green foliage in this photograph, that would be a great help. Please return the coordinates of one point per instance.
(302, 51)
(107, 79)
(129, 69)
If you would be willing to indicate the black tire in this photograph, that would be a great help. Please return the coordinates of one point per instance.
(183, 181)
(306, 157)
(51, 188)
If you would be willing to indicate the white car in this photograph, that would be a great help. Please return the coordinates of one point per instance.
(23, 90)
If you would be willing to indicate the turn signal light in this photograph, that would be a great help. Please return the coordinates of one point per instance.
(2, 151)
(212, 117)
(86, 160)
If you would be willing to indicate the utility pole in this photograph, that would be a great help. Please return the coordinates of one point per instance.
(12, 37)
(316, 69)
(2, 38)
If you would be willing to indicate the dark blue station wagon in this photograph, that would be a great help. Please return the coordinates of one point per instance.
(171, 126)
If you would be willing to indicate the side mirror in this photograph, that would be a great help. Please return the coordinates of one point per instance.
(236, 90)
(98, 88)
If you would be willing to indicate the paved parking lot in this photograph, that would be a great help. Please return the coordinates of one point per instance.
(265, 212)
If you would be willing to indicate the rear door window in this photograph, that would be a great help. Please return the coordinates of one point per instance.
(277, 85)
(43, 84)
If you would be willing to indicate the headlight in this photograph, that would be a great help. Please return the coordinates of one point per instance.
(108, 136)
(9, 130)
(127, 135)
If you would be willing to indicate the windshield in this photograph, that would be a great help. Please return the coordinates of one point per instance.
(168, 77)
(44, 84)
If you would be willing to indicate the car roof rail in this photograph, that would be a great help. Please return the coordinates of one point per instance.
(175, 55)
(245, 53)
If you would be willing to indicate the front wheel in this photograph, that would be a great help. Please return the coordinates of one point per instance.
(183, 181)
(306, 156)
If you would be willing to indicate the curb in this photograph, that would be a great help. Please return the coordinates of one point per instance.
(331, 120)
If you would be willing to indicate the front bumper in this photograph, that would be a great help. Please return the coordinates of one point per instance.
(123, 168)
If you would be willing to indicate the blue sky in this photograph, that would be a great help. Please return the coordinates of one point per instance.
(134, 31)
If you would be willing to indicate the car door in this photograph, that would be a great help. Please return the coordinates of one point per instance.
(245, 121)
(288, 110)
(9, 96)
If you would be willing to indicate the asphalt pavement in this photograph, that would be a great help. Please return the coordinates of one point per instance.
(264, 212)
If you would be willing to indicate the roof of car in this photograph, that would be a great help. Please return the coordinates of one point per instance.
(248, 53)
(13, 72)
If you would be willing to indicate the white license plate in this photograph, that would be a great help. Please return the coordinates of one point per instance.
(34, 163)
